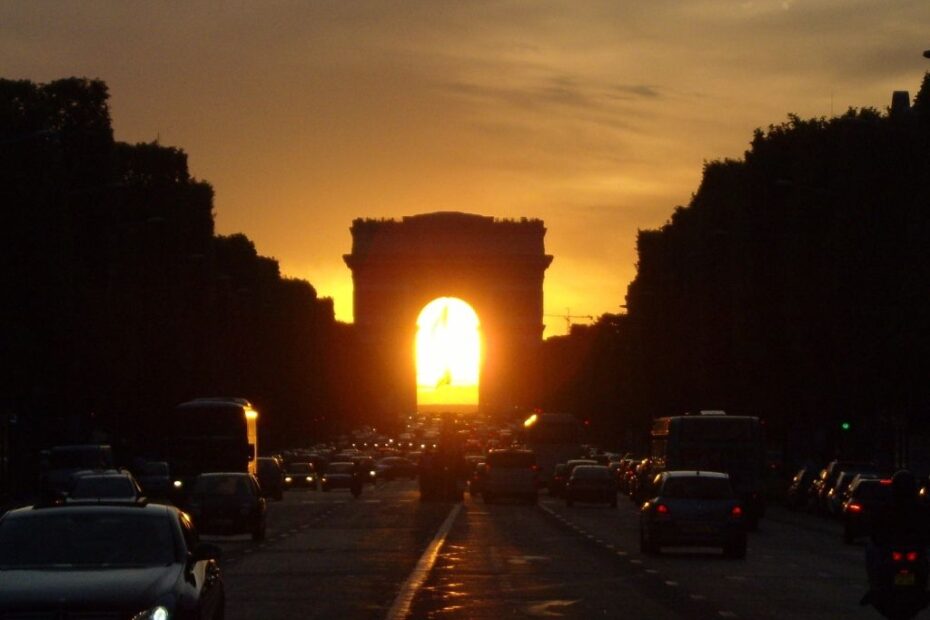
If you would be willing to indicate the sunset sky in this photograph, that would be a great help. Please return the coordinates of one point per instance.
(594, 116)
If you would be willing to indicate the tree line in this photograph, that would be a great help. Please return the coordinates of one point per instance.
(119, 298)
(795, 286)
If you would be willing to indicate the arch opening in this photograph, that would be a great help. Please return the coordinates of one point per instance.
(448, 355)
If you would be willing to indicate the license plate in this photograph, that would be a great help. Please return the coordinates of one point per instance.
(904, 579)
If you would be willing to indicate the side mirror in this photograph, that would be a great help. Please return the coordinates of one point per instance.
(206, 551)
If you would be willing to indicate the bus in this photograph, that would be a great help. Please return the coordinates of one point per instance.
(210, 435)
(714, 441)
(555, 438)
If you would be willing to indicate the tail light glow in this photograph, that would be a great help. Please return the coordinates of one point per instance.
(736, 512)
(661, 509)
(911, 556)
(854, 508)
(896, 556)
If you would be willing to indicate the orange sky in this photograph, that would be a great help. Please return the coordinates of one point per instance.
(593, 116)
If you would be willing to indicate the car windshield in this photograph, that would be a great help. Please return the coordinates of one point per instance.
(222, 485)
(300, 468)
(340, 468)
(103, 487)
(697, 487)
(103, 539)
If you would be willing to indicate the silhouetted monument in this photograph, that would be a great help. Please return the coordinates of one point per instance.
(496, 266)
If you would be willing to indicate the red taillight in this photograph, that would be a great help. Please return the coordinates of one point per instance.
(855, 508)
(896, 556)
(911, 556)
(661, 509)
(885, 482)
(736, 512)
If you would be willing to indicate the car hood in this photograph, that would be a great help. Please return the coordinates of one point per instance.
(122, 588)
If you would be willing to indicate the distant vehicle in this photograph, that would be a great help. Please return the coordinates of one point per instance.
(115, 485)
(155, 479)
(866, 497)
(799, 490)
(714, 441)
(300, 475)
(591, 483)
(693, 508)
(210, 435)
(476, 479)
(558, 480)
(820, 490)
(107, 561)
(271, 477)
(65, 461)
(554, 438)
(510, 473)
(393, 467)
(339, 475)
(837, 495)
(228, 503)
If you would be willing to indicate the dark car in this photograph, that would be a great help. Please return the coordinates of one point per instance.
(866, 497)
(827, 478)
(271, 477)
(591, 483)
(116, 485)
(300, 475)
(155, 479)
(558, 480)
(365, 467)
(228, 503)
(140, 561)
(339, 475)
(693, 508)
(393, 467)
(799, 490)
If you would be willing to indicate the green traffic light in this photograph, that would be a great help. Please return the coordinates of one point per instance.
(845, 426)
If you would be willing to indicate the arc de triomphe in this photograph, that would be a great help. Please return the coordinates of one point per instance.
(496, 266)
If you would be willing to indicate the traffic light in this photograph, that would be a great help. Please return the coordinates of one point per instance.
(845, 426)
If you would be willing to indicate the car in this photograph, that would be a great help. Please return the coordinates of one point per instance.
(270, 474)
(65, 461)
(510, 472)
(827, 478)
(155, 479)
(476, 478)
(591, 483)
(393, 467)
(866, 496)
(339, 475)
(365, 467)
(695, 509)
(228, 503)
(121, 560)
(799, 490)
(558, 480)
(838, 495)
(112, 485)
(300, 475)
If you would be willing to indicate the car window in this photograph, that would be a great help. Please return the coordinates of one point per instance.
(85, 539)
(103, 488)
(591, 472)
(697, 487)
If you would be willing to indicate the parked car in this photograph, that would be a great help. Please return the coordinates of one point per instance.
(300, 475)
(799, 490)
(510, 473)
(693, 508)
(111, 485)
(228, 503)
(125, 560)
(271, 476)
(591, 483)
(866, 496)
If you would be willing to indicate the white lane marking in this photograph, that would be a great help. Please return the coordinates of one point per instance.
(401, 607)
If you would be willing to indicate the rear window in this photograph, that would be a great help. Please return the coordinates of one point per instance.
(591, 472)
(697, 487)
(512, 460)
(222, 485)
(103, 488)
(873, 490)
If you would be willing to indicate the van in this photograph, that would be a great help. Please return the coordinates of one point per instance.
(510, 473)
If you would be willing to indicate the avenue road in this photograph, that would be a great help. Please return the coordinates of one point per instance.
(388, 555)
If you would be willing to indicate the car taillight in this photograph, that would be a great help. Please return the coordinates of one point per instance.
(896, 556)
(911, 556)
(885, 482)
(854, 508)
(736, 512)
(661, 509)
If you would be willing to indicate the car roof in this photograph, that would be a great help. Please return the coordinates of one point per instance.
(694, 473)
(96, 506)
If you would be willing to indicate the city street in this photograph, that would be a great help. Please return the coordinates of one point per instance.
(388, 555)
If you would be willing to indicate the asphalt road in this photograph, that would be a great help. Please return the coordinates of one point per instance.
(387, 555)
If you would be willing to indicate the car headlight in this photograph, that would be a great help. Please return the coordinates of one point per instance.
(288, 479)
(323, 479)
(309, 478)
(178, 484)
(155, 613)
(372, 473)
